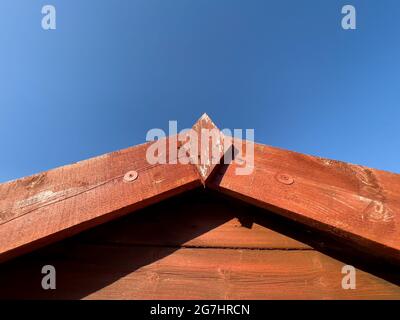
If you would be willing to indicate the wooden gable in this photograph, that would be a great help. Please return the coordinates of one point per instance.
(188, 235)
(199, 245)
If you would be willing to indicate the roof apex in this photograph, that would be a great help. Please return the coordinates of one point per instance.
(205, 163)
(205, 116)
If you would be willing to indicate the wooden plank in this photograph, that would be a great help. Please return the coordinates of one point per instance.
(355, 203)
(198, 219)
(41, 209)
(123, 272)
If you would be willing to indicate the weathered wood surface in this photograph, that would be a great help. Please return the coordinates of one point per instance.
(123, 272)
(215, 257)
(211, 146)
(49, 206)
(202, 220)
(355, 203)
(241, 274)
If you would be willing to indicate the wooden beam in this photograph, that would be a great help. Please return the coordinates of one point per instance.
(190, 247)
(355, 203)
(47, 207)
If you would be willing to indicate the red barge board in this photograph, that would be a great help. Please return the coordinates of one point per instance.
(354, 206)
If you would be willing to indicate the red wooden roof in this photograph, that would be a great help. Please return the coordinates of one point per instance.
(357, 204)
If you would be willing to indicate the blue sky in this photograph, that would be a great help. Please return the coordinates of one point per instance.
(112, 70)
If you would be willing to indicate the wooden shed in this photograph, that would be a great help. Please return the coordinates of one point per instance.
(292, 229)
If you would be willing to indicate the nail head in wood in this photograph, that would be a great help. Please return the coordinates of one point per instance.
(130, 176)
(285, 178)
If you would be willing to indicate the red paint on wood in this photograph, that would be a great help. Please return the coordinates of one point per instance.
(356, 203)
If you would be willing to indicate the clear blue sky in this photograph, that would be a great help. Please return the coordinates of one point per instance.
(112, 70)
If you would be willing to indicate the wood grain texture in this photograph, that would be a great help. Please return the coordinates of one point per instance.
(198, 219)
(41, 209)
(204, 253)
(201, 249)
(211, 146)
(124, 272)
(356, 203)
(245, 274)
